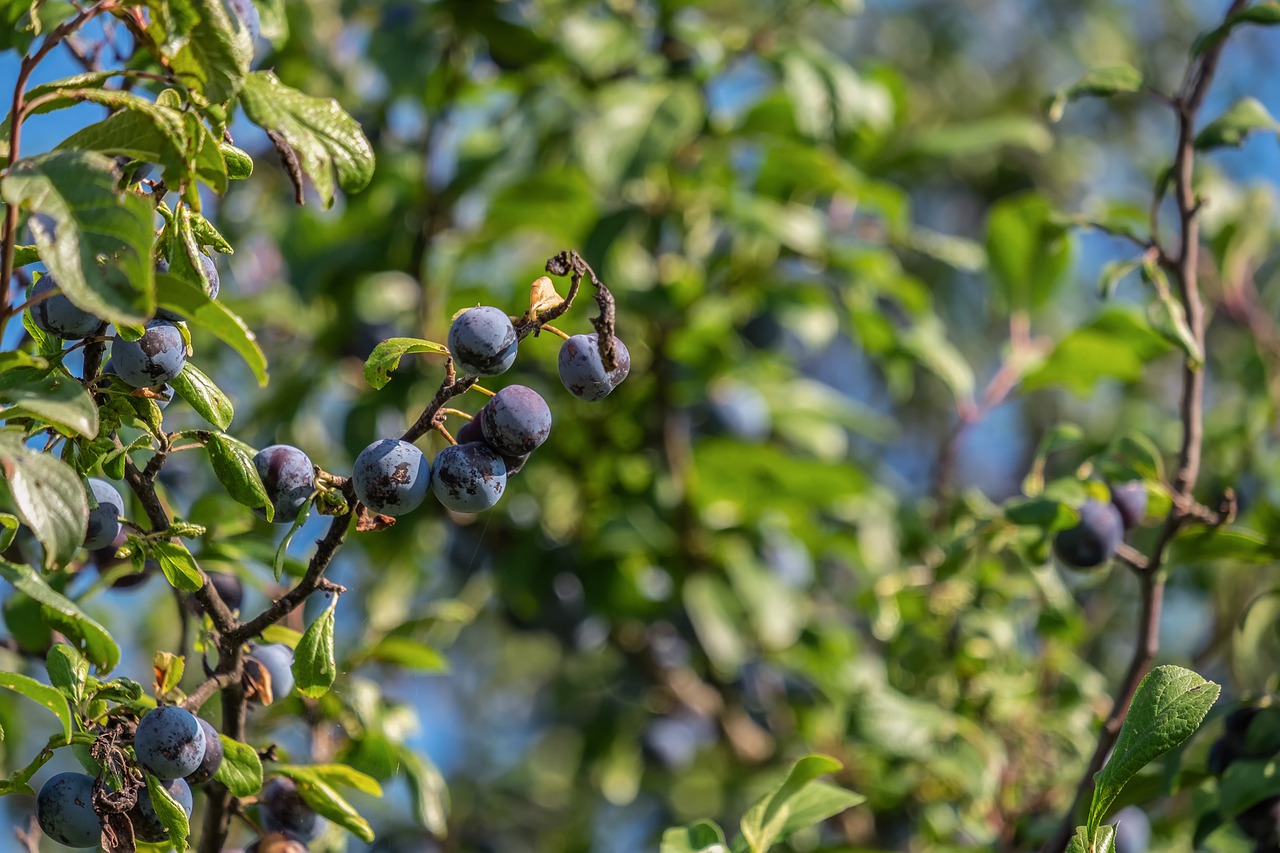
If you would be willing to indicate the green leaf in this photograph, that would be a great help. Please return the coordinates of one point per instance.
(386, 357)
(327, 802)
(241, 769)
(314, 668)
(9, 525)
(1232, 127)
(1262, 14)
(972, 138)
(209, 48)
(42, 694)
(1041, 512)
(1207, 544)
(139, 128)
(49, 495)
(1097, 83)
(78, 215)
(927, 342)
(1029, 250)
(203, 396)
(24, 255)
(277, 563)
(234, 468)
(68, 670)
(52, 396)
(281, 634)
(1117, 344)
(774, 817)
(427, 790)
(325, 138)
(704, 836)
(192, 302)
(333, 774)
(408, 653)
(1246, 783)
(172, 816)
(178, 565)
(92, 639)
(1167, 708)
(238, 162)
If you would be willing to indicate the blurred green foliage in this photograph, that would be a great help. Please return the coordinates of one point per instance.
(846, 253)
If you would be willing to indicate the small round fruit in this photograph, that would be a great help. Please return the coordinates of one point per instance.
(169, 742)
(1222, 754)
(468, 477)
(278, 842)
(1131, 500)
(391, 477)
(283, 810)
(516, 421)
(212, 759)
(212, 285)
(104, 519)
(276, 665)
(582, 370)
(153, 359)
(482, 340)
(1261, 821)
(1133, 830)
(64, 810)
(230, 589)
(1091, 542)
(58, 316)
(471, 430)
(146, 823)
(289, 478)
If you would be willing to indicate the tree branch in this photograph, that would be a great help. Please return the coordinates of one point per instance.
(1191, 411)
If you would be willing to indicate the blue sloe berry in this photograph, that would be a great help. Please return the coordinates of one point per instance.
(274, 667)
(1091, 542)
(64, 810)
(284, 810)
(153, 359)
(212, 759)
(104, 520)
(516, 421)
(1261, 822)
(169, 742)
(391, 477)
(278, 842)
(58, 316)
(230, 588)
(1133, 830)
(1131, 500)
(212, 285)
(289, 478)
(165, 392)
(468, 477)
(582, 370)
(482, 340)
(472, 431)
(146, 823)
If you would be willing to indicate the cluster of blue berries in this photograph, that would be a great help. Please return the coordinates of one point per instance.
(1095, 538)
(151, 361)
(180, 750)
(172, 744)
